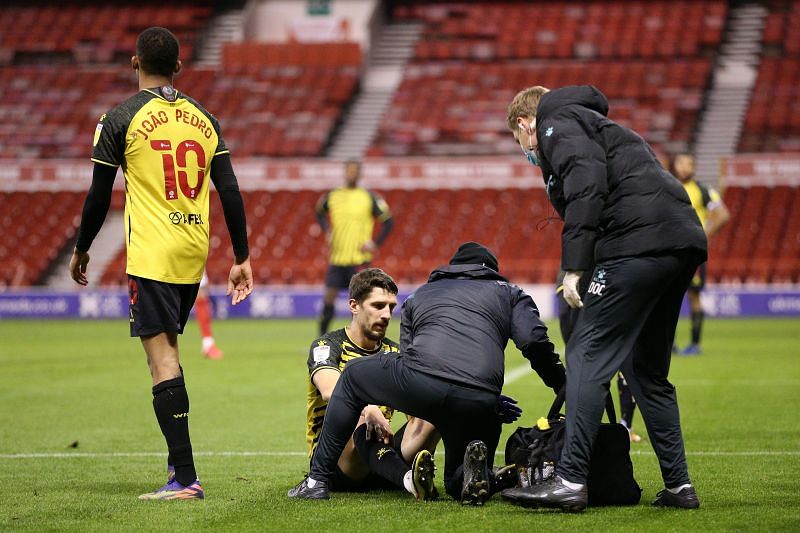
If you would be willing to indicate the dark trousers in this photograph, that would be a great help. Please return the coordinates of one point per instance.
(460, 414)
(628, 323)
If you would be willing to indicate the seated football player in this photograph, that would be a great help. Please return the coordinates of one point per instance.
(374, 457)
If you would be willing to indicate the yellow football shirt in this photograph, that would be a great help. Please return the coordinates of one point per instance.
(703, 199)
(333, 350)
(165, 142)
(352, 213)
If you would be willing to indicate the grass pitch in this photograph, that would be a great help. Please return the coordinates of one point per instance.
(79, 442)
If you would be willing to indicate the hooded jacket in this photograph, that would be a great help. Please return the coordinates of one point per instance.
(607, 185)
(457, 325)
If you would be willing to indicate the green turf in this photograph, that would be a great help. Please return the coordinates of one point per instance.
(86, 382)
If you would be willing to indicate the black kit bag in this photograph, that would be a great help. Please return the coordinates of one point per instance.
(536, 451)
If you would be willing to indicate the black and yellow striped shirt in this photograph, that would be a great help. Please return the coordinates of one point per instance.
(352, 212)
(165, 142)
(333, 350)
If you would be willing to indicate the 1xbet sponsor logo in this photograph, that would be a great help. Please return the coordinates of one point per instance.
(176, 217)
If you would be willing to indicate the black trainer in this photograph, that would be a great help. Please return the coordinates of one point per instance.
(504, 477)
(475, 490)
(303, 491)
(550, 493)
(422, 472)
(685, 499)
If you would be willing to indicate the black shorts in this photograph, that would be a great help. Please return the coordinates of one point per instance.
(338, 276)
(698, 282)
(158, 307)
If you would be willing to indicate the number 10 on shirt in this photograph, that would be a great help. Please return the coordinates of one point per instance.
(169, 161)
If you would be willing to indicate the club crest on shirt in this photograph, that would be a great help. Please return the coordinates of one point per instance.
(169, 93)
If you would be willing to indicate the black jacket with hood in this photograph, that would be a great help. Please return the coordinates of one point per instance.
(607, 185)
(457, 325)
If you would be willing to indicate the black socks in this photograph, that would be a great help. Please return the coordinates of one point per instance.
(697, 326)
(382, 459)
(627, 404)
(325, 319)
(171, 404)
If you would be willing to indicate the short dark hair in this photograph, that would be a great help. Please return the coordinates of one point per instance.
(362, 283)
(157, 49)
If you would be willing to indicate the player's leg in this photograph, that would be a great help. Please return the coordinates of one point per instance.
(470, 432)
(337, 278)
(646, 371)
(696, 309)
(416, 435)
(627, 406)
(203, 312)
(351, 463)
(159, 312)
(379, 379)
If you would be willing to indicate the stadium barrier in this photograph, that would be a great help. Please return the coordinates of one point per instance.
(293, 302)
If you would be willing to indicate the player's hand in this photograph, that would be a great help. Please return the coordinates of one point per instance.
(369, 247)
(377, 424)
(77, 267)
(571, 295)
(507, 409)
(240, 281)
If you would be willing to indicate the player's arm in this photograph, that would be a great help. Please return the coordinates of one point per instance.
(240, 279)
(95, 209)
(717, 215)
(530, 336)
(324, 379)
(321, 211)
(381, 211)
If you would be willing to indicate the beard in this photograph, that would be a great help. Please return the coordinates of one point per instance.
(374, 335)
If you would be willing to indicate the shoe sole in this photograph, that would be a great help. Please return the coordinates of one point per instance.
(173, 496)
(477, 490)
(422, 477)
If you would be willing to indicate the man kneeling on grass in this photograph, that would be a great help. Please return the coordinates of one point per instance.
(374, 457)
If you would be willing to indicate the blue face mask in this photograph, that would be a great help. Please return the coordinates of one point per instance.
(530, 155)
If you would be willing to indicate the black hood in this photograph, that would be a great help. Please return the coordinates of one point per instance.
(465, 272)
(586, 96)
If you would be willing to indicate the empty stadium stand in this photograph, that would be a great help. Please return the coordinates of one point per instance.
(652, 59)
(772, 123)
(760, 245)
(34, 228)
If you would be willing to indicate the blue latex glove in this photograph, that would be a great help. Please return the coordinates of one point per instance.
(507, 409)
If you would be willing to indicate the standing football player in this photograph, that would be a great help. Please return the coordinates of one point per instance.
(352, 211)
(169, 148)
(713, 215)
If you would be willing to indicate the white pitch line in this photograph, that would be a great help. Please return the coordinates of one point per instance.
(516, 373)
(93, 455)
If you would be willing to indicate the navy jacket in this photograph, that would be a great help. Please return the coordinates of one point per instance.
(604, 180)
(457, 325)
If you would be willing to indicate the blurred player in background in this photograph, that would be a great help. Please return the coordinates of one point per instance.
(203, 311)
(713, 215)
(352, 211)
(453, 335)
(627, 220)
(169, 148)
(374, 455)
